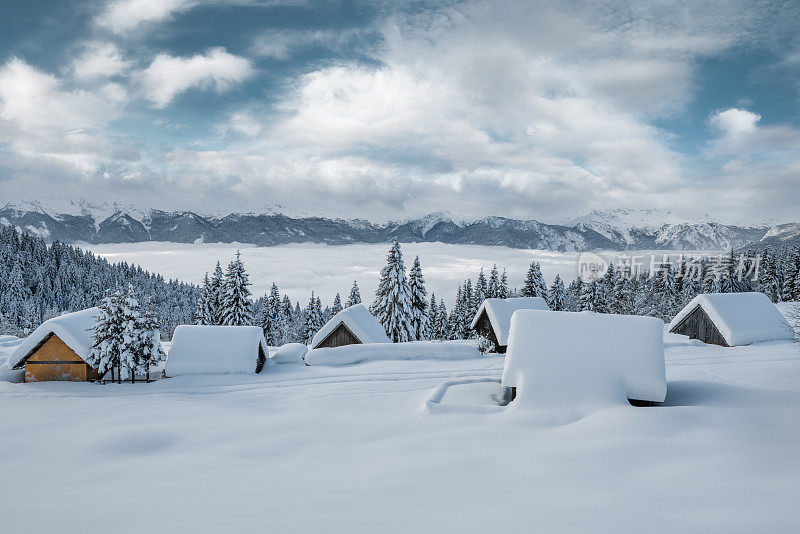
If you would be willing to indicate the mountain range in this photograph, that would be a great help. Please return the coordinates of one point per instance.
(619, 229)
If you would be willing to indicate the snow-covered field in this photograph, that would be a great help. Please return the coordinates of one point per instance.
(299, 268)
(348, 449)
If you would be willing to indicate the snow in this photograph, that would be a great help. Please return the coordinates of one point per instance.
(290, 353)
(74, 329)
(417, 350)
(360, 322)
(579, 362)
(501, 310)
(214, 349)
(349, 451)
(741, 318)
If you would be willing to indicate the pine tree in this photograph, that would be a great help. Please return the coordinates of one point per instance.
(273, 323)
(420, 320)
(313, 319)
(392, 305)
(355, 296)
(441, 323)
(131, 353)
(455, 321)
(107, 337)
(215, 300)
(150, 342)
(493, 288)
(557, 297)
(769, 278)
(534, 285)
(204, 315)
(433, 314)
(16, 294)
(481, 287)
(236, 303)
(337, 305)
(591, 296)
(503, 291)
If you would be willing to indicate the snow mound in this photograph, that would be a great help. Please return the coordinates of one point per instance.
(417, 350)
(361, 323)
(290, 353)
(500, 311)
(216, 350)
(74, 329)
(741, 318)
(583, 361)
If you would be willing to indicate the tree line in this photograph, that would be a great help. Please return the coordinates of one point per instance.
(38, 281)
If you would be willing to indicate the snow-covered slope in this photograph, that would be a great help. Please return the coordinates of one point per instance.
(662, 229)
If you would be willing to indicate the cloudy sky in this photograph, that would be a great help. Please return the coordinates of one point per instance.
(390, 109)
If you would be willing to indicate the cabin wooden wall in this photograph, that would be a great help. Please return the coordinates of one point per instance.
(698, 325)
(54, 360)
(484, 328)
(340, 336)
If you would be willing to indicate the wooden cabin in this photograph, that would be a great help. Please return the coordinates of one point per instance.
(58, 349)
(493, 318)
(698, 325)
(351, 326)
(731, 319)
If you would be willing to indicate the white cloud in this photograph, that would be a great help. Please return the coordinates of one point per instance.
(735, 121)
(168, 76)
(124, 16)
(40, 119)
(33, 99)
(99, 60)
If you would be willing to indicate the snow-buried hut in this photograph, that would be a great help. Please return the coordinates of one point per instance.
(58, 349)
(493, 319)
(216, 349)
(569, 360)
(730, 319)
(353, 325)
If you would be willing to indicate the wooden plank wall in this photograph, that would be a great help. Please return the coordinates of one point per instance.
(340, 336)
(698, 325)
(40, 366)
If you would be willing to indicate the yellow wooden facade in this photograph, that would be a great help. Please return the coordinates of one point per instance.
(54, 360)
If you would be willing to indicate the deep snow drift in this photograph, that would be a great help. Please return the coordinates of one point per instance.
(345, 449)
(578, 362)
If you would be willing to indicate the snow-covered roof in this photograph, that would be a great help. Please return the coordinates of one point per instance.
(215, 349)
(501, 310)
(741, 318)
(583, 359)
(74, 329)
(361, 323)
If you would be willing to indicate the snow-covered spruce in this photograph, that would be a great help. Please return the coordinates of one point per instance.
(392, 305)
(235, 301)
(420, 319)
